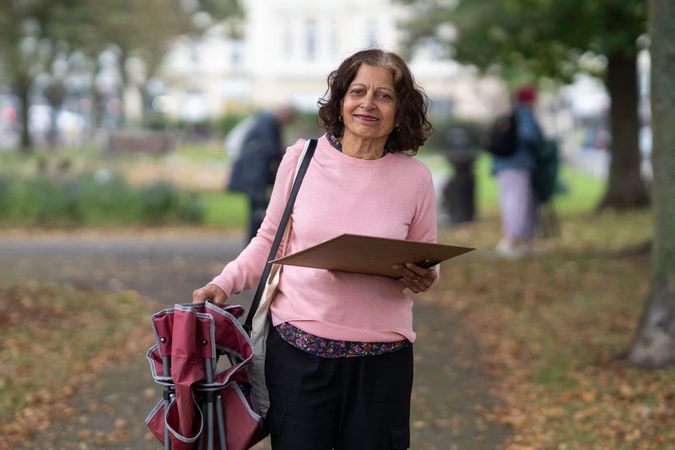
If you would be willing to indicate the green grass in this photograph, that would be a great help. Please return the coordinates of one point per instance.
(581, 194)
(223, 210)
(202, 153)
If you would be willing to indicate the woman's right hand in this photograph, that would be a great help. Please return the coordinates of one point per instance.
(210, 292)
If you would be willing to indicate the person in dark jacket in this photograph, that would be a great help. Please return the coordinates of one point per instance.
(254, 170)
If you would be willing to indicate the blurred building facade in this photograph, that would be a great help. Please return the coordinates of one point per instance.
(283, 50)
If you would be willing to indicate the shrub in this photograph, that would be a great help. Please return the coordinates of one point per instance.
(439, 139)
(109, 199)
(93, 199)
(163, 203)
(229, 121)
(305, 126)
(58, 204)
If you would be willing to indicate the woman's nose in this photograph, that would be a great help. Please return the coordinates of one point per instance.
(367, 102)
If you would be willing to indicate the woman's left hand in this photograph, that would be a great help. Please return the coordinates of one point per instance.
(416, 278)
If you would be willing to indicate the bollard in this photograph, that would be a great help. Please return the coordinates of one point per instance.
(460, 191)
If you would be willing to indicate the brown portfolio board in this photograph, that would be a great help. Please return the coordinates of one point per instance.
(371, 255)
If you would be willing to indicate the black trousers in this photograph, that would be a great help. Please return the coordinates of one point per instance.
(256, 209)
(360, 403)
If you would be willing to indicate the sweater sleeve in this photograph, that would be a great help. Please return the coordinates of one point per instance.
(244, 272)
(423, 226)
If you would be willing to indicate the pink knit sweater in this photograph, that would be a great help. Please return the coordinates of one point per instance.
(389, 197)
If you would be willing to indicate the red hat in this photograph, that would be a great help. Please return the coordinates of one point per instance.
(526, 94)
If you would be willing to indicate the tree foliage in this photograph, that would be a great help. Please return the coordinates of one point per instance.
(29, 33)
(529, 39)
(555, 39)
(33, 33)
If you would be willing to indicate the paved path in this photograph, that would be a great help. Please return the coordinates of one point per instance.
(166, 268)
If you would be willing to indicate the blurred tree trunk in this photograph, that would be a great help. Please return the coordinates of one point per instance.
(55, 93)
(148, 116)
(124, 77)
(153, 56)
(97, 106)
(23, 83)
(625, 187)
(654, 345)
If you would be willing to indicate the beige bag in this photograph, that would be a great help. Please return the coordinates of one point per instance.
(260, 323)
(259, 332)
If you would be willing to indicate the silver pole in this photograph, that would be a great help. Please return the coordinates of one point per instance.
(221, 424)
(166, 371)
(209, 404)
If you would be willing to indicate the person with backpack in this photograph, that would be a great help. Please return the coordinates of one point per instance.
(514, 144)
(258, 150)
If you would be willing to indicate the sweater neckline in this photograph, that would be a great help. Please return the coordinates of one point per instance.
(338, 155)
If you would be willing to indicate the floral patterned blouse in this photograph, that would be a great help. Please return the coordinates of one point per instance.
(335, 142)
(329, 348)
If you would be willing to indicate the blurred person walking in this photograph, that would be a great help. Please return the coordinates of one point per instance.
(513, 171)
(339, 360)
(257, 147)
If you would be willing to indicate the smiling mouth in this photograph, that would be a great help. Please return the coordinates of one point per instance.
(366, 118)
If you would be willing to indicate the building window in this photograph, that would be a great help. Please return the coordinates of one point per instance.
(333, 39)
(371, 33)
(236, 53)
(310, 39)
(194, 51)
(286, 41)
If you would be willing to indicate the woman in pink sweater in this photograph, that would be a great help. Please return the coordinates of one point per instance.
(339, 361)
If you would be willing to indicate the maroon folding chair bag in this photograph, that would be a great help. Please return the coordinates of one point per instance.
(202, 407)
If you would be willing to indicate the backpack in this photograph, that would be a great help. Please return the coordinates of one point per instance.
(502, 139)
(545, 173)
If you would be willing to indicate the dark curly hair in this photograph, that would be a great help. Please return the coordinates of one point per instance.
(413, 127)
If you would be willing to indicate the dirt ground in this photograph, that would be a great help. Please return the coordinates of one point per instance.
(449, 390)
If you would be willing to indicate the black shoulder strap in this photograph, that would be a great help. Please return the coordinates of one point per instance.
(280, 233)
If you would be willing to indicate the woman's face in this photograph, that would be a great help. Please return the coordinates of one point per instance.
(370, 104)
